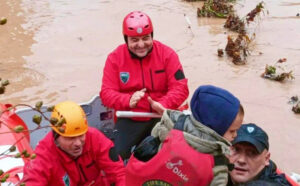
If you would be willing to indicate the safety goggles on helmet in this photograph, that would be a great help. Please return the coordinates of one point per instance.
(75, 123)
(137, 23)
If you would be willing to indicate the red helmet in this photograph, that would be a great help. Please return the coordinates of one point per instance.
(137, 23)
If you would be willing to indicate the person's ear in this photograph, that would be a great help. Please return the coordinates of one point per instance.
(267, 158)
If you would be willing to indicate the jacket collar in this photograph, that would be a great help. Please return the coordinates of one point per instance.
(197, 135)
(268, 173)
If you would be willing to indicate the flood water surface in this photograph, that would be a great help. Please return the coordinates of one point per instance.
(56, 50)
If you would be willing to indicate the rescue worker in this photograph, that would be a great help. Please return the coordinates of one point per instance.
(74, 154)
(251, 158)
(189, 149)
(142, 75)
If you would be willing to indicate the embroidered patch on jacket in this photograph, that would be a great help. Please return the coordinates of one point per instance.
(66, 180)
(124, 77)
(179, 75)
(156, 183)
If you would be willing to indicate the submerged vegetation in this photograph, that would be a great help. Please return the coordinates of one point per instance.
(238, 48)
(270, 73)
(215, 8)
(296, 108)
(251, 15)
(296, 104)
(236, 24)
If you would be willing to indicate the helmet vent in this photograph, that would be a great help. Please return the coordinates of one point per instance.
(137, 23)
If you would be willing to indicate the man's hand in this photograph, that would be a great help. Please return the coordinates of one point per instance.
(136, 97)
(156, 106)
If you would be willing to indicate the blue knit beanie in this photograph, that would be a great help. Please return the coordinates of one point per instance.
(214, 107)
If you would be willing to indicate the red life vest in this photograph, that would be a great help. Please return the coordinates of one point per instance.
(177, 163)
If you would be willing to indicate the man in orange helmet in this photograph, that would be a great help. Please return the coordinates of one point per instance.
(74, 154)
(142, 75)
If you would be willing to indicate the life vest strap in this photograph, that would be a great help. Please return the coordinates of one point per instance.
(147, 148)
(222, 160)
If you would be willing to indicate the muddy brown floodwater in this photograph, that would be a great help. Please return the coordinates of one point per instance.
(56, 50)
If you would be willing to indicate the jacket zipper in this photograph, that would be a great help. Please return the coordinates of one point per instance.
(152, 83)
(80, 171)
(141, 62)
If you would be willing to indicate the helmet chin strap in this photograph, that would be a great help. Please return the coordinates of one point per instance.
(57, 144)
(55, 135)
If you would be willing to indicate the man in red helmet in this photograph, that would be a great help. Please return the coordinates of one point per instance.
(142, 75)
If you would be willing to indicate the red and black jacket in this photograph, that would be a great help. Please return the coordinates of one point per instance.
(95, 166)
(160, 72)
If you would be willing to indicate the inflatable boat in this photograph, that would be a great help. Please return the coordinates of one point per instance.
(97, 114)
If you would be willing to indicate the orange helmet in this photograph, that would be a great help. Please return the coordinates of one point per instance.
(137, 23)
(75, 119)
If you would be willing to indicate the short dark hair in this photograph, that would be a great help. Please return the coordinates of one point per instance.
(126, 37)
(55, 135)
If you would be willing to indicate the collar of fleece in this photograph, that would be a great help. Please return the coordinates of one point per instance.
(200, 137)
